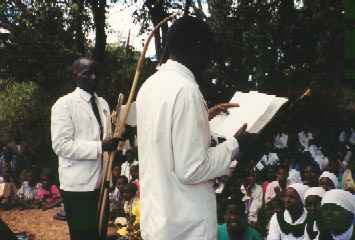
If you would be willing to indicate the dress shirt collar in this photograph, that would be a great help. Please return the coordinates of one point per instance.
(174, 65)
(346, 235)
(84, 94)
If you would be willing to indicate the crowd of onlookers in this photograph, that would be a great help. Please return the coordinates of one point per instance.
(293, 185)
(24, 185)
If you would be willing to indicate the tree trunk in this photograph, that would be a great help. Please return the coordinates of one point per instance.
(157, 13)
(99, 10)
(78, 26)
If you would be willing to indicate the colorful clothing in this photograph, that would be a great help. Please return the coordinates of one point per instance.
(249, 234)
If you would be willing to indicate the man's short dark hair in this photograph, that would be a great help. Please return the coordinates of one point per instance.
(186, 34)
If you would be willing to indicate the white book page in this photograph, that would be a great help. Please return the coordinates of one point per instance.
(270, 112)
(255, 110)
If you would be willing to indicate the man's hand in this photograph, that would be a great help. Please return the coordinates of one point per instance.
(222, 107)
(110, 144)
(244, 138)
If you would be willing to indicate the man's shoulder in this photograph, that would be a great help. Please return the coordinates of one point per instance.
(63, 100)
(163, 83)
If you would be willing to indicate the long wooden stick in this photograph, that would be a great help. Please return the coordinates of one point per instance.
(116, 120)
(120, 128)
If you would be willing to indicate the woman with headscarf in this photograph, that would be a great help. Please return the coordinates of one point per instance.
(328, 181)
(290, 223)
(313, 198)
(337, 215)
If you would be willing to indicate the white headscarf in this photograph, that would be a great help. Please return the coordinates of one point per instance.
(331, 176)
(314, 191)
(300, 189)
(341, 198)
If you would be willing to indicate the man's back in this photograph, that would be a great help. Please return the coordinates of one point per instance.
(176, 163)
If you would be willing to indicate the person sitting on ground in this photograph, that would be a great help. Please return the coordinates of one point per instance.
(116, 173)
(47, 194)
(27, 192)
(337, 215)
(7, 192)
(126, 166)
(290, 224)
(313, 198)
(348, 180)
(134, 171)
(328, 181)
(132, 213)
(310, 174)
(253, 197)
(275, 188)
(117, 200)
(236, 225)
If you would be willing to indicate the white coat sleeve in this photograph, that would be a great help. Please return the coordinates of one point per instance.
(62, 134)
(274, 229)
(194, 160)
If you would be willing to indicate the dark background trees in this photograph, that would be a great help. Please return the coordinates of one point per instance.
(275, 46)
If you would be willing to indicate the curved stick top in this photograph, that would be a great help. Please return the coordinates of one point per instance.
(119, 130)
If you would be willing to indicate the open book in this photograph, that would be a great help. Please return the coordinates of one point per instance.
(256, 109)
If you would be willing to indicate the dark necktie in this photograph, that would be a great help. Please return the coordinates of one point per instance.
(97, 114)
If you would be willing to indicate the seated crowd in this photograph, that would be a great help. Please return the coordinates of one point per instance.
(296, 185)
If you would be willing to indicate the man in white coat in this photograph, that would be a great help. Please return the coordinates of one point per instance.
(80, 121)
(176, 161)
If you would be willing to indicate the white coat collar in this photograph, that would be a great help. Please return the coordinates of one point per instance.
(174, 65)
(84, 94)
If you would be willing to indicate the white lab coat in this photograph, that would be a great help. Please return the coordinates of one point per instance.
(176, 160)
(76, 140)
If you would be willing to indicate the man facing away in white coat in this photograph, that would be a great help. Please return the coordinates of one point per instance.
(176, 161)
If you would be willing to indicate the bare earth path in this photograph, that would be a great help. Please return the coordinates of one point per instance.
(37, 222)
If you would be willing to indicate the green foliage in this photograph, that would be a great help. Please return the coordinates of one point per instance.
(274, 46)
(17, 101)
(118, 72)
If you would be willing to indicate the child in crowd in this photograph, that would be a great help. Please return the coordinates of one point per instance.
(27, 192)
(116, 197)
(236, 225)
(134, 171)
(275, 188)
(348, 180)
(313, 198)
(132, 213)
(130, 161)
(253, 197)
(328, 181)
(7, 192)
(310, 174)
(47, 194)
(290, 223)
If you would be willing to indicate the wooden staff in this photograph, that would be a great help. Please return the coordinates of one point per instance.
(119, 130)
(106, 157)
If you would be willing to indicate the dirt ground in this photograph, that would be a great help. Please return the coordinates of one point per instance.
(38, 223)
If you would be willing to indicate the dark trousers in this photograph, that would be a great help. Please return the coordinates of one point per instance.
(81, 213)
(5, 232)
